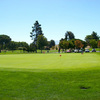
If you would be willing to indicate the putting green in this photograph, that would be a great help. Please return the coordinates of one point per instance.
(40, 62)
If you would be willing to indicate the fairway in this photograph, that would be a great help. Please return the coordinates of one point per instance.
(71, 76)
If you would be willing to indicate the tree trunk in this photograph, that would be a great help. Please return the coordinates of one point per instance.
(36, 50)
(41, 50)
(59, 50)
(65, 50)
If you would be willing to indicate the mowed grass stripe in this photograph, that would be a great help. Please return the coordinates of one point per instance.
(50, 85)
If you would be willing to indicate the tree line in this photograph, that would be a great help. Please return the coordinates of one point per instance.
(41, 42)
(6, 43)
(70, 42)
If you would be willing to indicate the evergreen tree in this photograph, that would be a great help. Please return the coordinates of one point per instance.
(36, 31)
(69, 35)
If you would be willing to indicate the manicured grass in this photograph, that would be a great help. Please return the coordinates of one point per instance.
(25, 52)
(50, 77)
(97, 49)
(12, 52)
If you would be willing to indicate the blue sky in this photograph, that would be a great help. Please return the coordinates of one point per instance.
(55, 16)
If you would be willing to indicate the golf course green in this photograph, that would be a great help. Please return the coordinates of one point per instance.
(65, 76)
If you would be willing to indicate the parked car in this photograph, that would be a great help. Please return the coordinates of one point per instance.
(80, 51)
(68, 51)
(87, 50)
(93, 50)
(76, 50)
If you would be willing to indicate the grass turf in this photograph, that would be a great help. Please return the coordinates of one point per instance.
(50, 77)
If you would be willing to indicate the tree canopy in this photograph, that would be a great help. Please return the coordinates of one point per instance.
(51, 43)
(64, 44)
(36, 31)
(69, 35)
(4, 41)
(92, 36)
(41, 42)
(78, 44)
(93, 43)
(99, 44)
(95, 36)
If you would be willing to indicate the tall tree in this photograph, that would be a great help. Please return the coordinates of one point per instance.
(41, 42)
(69, 35)
(36, 31)
(95, 36)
